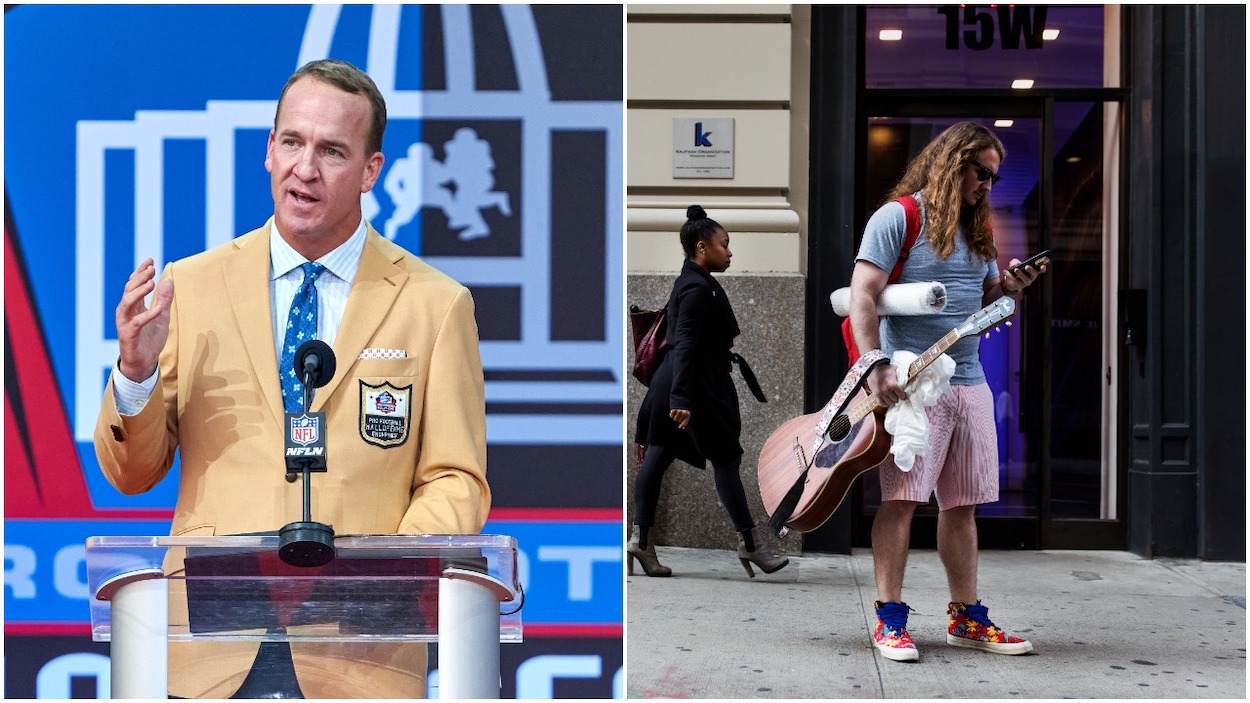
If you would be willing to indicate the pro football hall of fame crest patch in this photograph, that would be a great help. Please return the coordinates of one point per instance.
(384, 414)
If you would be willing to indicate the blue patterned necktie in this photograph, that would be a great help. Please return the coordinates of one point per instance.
(301, 326)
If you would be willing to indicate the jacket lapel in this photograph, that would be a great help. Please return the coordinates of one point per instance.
(377, 285)
(253, 312)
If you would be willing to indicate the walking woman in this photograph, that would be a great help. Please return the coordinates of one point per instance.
(690, 411)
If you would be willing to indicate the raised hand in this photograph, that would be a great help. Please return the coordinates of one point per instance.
(1022, 276)
(142, 330)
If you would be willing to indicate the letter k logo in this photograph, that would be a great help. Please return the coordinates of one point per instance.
(701, 137)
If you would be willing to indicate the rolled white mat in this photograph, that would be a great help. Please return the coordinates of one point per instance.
(897, 299)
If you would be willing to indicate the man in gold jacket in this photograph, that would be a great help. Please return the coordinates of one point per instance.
(198, 372)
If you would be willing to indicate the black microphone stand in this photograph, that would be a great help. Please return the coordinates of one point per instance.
(308, 543)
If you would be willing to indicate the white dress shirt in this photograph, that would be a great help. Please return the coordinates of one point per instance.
(333, 288)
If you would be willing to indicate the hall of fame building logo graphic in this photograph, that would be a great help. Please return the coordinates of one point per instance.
(480, 159)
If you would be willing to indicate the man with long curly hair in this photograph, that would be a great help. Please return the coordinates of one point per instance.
(951, 181)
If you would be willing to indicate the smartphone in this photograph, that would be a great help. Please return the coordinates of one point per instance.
(1036, 261)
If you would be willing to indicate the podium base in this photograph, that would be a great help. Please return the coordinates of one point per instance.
(306, 544)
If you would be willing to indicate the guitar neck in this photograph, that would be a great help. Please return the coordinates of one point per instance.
(869, 403)
(922, 362)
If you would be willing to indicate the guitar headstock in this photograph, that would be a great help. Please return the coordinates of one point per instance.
(987, 317)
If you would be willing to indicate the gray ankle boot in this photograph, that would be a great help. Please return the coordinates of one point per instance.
(766, 561)
(650, 564)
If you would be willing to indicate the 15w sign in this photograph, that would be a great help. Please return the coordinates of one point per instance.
(978, 22)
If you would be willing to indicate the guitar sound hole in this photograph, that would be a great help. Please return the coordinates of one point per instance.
(839, 428)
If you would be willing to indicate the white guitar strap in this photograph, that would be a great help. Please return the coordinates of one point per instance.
(854, 380)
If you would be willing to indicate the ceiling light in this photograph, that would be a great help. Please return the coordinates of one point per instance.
(1073, 159)
(1050, 34)
(1022, 83)
(891, 35)
(879, 136)
(1004, 123)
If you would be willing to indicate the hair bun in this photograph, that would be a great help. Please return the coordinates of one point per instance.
(694, 212)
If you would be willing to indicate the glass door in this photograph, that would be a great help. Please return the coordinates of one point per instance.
(1083, 494)
(1047, 372)
(893, 138)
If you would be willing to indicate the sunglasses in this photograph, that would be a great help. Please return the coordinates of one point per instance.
(984, 174)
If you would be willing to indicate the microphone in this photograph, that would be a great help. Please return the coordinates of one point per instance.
(307, 543)
(314, 362)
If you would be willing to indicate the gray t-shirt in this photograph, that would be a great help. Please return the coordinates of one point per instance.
(963, 274)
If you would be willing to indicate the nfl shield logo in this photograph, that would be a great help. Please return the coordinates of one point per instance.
(304, 430)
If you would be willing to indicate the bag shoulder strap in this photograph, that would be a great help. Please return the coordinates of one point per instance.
(912, 210)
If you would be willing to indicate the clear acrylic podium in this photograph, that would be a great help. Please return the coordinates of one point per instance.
(444, 589)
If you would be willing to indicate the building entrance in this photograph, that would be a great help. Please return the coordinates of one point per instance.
(1054, 372)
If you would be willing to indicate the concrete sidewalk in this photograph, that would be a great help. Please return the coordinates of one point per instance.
(1102, 624)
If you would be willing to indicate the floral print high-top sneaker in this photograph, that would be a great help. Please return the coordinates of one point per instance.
(890, 636)
(970, 626)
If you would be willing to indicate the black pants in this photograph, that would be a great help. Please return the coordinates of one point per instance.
(728, 486)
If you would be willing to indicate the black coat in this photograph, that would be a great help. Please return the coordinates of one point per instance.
(694, 375)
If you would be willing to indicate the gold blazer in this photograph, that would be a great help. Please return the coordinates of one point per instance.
(218, 403)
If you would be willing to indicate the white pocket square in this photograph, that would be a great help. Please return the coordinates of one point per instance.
(384, 354)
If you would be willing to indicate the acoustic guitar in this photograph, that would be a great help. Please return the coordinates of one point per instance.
(823, 453)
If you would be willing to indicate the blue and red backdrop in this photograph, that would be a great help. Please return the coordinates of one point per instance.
(136, 131)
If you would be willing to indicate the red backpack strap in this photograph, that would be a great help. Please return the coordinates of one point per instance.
(912, 211)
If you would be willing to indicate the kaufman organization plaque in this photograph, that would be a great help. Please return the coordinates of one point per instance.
(703, 148)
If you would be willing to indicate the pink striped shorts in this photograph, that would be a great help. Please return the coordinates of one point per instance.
(961, 464)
